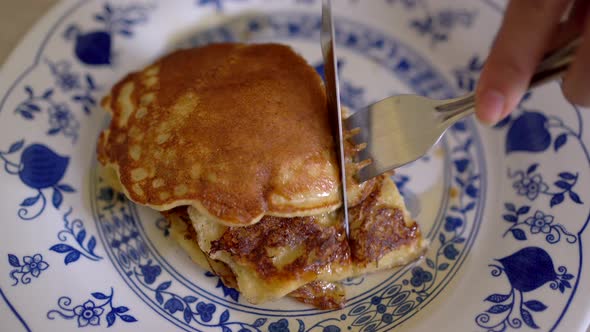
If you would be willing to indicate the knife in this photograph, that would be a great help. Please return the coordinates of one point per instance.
(333, 93)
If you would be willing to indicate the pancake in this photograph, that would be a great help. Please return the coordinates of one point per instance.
(279, 255)
(232, 143)
(321, 294)
(190, 128)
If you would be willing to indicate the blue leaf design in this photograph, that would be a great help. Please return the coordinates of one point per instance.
(61, 248)
(532, 168)
(27, 115)
(523, 210)
(66, 188)
(575, 197)
(459, 126)
(497, 298)
(259, 322)
(556, 200)
(469, 207)
(29, 91)
(48, 93)
(190, 299)
(16, 146)
(91, 244)
(528, 318)
(99, 296)
(510, 218)
(224, 317)
(164, 285)
(535, 305)
(563, 185)
(567, 276)
(99, 18)
(567, 176)
(13, 260)
(73, 256)
(518, 234)
(566, 283)
(57, 198)
(80, 237)
(443, 266)
(559, 141)
(53, 131)
(225, 329)
(510, 207)
(159, 298)
(498, 308)
(121, 309)
(430, 263)
(30, 201)
(187, 315)
(111, 319)
(441, 238)
(128, 318)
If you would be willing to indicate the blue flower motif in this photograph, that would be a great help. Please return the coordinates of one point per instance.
(530, 187)
(88, 313)
(34, 265)
(150, 272)
(419, 276)
(450, 252)
(540, 222)
(62, 120)
(64, 78)
(205, 310)
(282, 325)
(452, 223)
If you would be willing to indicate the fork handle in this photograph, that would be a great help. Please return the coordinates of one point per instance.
(553, 65)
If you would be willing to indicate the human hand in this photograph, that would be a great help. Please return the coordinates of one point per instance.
(531, 28)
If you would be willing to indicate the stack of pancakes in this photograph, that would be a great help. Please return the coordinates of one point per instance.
(232, 143)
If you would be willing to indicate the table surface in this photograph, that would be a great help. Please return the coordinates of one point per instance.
(16, 18)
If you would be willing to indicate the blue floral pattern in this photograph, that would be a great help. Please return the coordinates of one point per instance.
(512, 308)
(530, 184)
(73, 238)
(95, 48)
(61, 119)
(39, 169)
(90, 313)
(537, 223)
(31, 266)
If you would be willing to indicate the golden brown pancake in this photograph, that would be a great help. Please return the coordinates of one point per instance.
(235, 131)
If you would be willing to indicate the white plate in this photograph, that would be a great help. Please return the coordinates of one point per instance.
(504, 208)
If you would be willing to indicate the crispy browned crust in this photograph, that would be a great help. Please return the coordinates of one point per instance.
(321, 294)
(377, 229)
(321, 245)
(223, 127)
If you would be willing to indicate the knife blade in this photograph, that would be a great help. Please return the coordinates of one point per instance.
(333, 94)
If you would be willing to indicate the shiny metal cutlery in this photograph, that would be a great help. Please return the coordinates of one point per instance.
(333, 94)
(400, 129)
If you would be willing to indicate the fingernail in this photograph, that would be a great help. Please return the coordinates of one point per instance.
(490, 106)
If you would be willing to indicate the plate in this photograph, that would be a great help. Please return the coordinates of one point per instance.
(504, 208)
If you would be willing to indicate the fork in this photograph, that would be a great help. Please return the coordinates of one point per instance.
(400, 129)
